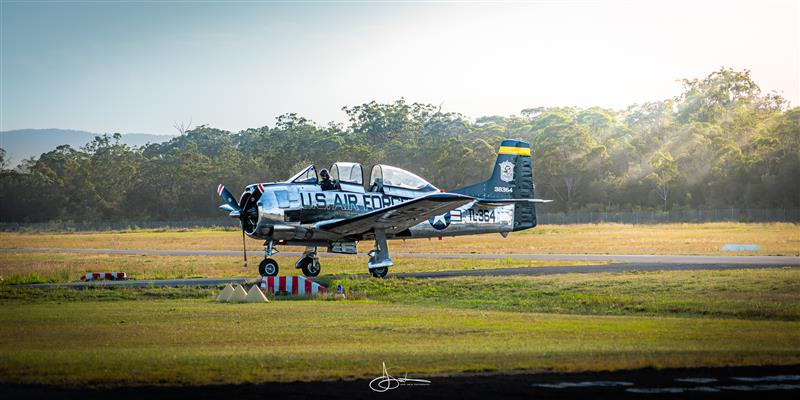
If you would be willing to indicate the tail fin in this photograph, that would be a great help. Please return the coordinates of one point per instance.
(512, 178)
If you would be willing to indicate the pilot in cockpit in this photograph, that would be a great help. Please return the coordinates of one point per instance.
(326, 183)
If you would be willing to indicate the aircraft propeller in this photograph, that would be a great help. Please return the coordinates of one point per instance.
(235, 211)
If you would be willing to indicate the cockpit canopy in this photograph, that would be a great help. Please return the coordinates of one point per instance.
(307, 175)
(349, 177)
(396, 181)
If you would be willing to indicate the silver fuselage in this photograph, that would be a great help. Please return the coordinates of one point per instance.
(288, 211)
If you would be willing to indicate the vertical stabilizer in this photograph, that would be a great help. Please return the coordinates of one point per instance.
(512, 178)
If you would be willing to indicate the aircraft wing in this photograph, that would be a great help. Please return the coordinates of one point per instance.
(397, 217)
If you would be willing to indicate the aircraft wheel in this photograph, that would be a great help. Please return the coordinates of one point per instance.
(379, 272)
(310, 266)
(268, 267)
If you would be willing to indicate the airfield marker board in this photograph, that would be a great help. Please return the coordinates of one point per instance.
(740, 247)
(294, 285)
(108, 276)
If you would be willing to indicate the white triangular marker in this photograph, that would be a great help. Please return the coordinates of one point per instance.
(255, 295)
(238, 295)
(225, 294)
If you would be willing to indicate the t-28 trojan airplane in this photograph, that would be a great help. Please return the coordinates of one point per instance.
(395, 205)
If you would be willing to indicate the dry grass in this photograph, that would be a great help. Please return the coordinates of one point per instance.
(684, 239)
(140, 239)
(690, 239)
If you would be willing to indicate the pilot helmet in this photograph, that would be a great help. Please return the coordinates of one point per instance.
(323, 173)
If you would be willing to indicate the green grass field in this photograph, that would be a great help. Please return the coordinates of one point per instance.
(444, 326)
(198, 342)
(742, 293)
(567, 322)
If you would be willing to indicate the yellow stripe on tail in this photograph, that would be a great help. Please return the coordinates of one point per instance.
(520, 151)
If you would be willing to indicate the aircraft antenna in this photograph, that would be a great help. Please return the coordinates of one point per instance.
(244, 250)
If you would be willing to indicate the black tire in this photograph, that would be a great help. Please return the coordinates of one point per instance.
(379, 272)
(268, 267)
(310, 266)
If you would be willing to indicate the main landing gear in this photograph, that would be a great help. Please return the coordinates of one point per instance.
(379, 261)
(309, 262)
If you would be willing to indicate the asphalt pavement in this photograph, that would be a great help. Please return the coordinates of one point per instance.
(620, 263)
(622, 258)
(529, 271)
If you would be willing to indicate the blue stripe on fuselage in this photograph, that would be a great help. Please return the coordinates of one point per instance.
(318, 206)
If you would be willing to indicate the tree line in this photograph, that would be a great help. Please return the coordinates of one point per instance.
(719, 143)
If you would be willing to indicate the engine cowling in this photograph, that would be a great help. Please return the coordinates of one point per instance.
(248, 203)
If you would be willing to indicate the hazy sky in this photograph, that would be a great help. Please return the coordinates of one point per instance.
(138, 66)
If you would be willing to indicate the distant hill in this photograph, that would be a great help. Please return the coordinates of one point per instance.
(23, 143)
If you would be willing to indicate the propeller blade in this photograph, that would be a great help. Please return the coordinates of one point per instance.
(230, 201)
(235, 211)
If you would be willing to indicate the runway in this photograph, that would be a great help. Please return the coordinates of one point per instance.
(528, 271)
(619, 258)
(620, 263)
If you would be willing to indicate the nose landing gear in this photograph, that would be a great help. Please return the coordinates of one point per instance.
(268, 266)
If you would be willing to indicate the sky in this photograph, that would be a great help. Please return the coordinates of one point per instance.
(140, 66)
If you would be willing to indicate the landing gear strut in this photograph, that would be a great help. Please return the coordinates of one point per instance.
(268, 266)
(379, 261)
(309, 262)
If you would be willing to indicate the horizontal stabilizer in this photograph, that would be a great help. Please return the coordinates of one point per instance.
(511, 201)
